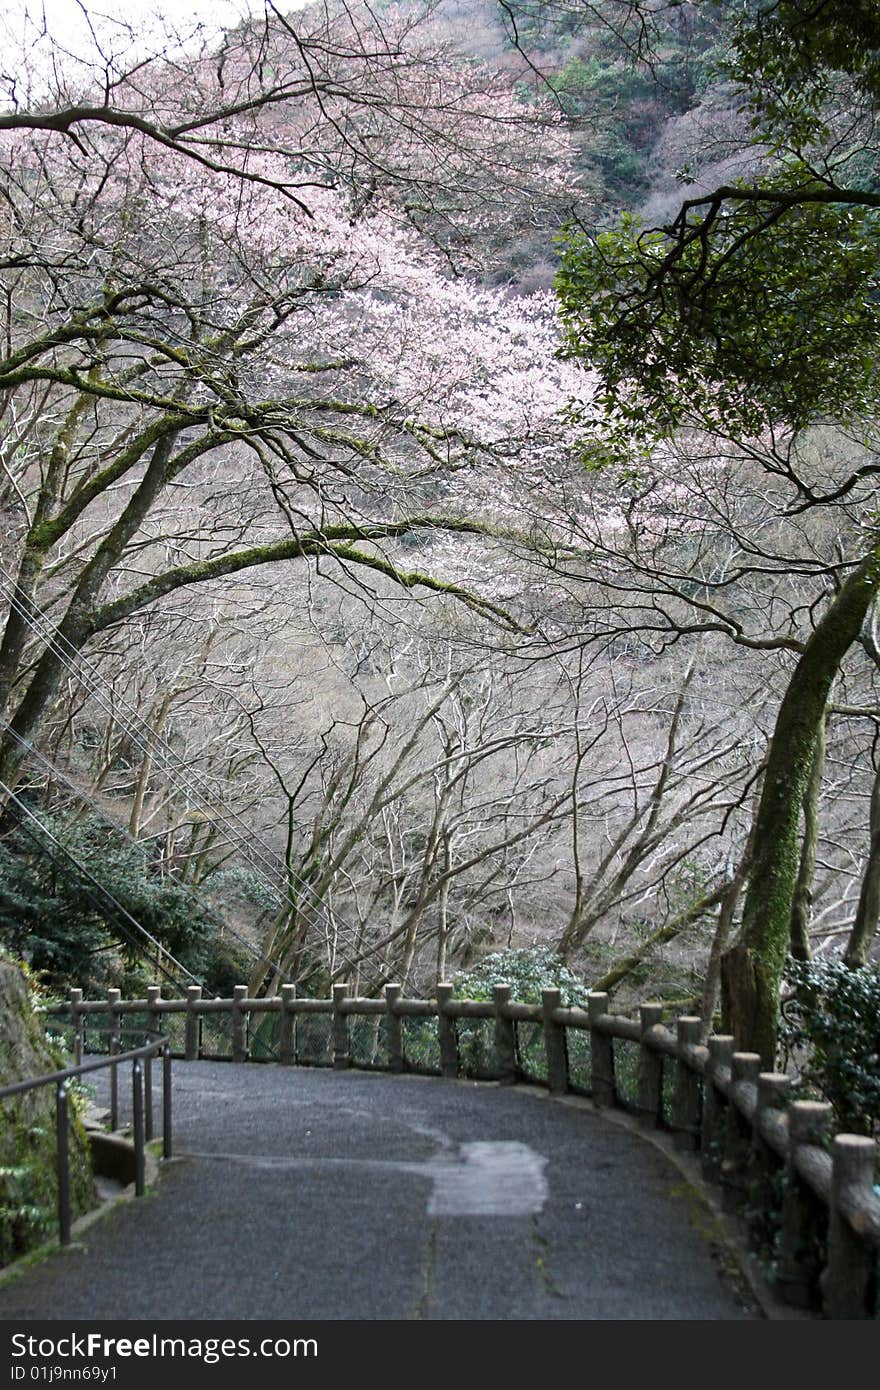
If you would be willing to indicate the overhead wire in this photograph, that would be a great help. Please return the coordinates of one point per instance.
(83, 797)
(129, 932)
(269, 867)
(266, 862)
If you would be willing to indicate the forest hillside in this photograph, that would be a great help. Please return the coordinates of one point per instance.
(438, 499)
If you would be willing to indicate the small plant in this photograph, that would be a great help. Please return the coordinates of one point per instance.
(27, 1198)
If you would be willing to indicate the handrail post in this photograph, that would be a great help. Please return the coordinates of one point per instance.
(744, 1067)
(148, 1096)
(394, 1030)
(77, 1019)
(687, 1097)
(555, 1049)
(714, 1127)
(137, 1127)
(239, 1024)
(192, 1039)
(850, 1275)
(447, 1032)
(341, 1032)
(286, 1046)
(153, 995)
(167, 1133)
(603, 1082)
(650, 1069)
(505, 1037)
(798, 1270)
(113, 997)
(63, 1163)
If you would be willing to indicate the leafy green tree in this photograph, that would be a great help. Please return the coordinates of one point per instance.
(756, 307)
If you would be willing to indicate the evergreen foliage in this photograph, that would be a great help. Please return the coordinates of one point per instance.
(835, 1016)
(73, 928)
(528, 972)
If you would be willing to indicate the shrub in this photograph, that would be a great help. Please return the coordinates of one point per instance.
(831, 1029)
(528, 972)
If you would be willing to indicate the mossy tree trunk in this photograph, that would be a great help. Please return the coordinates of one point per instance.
(799, 927)
(752, 969)
(868, 910)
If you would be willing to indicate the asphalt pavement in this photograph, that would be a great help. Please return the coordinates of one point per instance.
(305, 1194)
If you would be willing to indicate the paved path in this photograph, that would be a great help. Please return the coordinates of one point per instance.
(304, 1194)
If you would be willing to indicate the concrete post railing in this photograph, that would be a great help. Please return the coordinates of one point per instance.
(802, 1209)
(849, 1282)
(394, 1030)
(554, 1043)
(239, 1024)
(341, 1036)
(505, 1035)
(77, 1021)
(601, 1053)
(286, 1043)
(735, 1165)
(687, 1102)
(193, 1026)
(650, 1067)
(714, 1126)
(447, 1033)
(748, 1136)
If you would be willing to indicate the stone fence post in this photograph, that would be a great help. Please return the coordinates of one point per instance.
(688, 1096)
(848, 1282)
(192, 1036)
(505, 1036)
(341, 1034)
(735, 1167)
(604, 1085)
(286, 1045)
(650, 1069)
(447, 1032)
(555, 1049)
(802, 1212)
(77, 1019)
(395, 1031)
(239, 1024)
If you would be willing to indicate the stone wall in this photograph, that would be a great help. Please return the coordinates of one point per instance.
(28, 1188)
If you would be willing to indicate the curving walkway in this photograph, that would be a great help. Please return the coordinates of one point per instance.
(313, 1194)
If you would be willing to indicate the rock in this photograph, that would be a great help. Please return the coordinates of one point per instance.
(28, 1183)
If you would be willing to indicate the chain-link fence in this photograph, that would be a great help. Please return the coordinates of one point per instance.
(313, 1040)
(368, 1042)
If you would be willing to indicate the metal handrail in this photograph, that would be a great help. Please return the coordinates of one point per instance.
(141, 1059)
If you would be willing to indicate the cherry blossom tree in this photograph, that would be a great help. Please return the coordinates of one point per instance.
(232, 337)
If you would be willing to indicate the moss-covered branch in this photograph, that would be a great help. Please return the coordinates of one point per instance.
(341, 543)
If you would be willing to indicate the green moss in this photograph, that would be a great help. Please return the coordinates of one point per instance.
(28, 1182)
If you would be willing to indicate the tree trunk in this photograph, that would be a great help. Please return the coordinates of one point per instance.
(752, 969)
(799, 928)
(868, 910)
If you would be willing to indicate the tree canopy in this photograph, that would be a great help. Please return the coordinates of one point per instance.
(758, 301)
(755, 308)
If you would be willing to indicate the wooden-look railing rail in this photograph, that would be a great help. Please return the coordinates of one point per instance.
(752, 1139)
